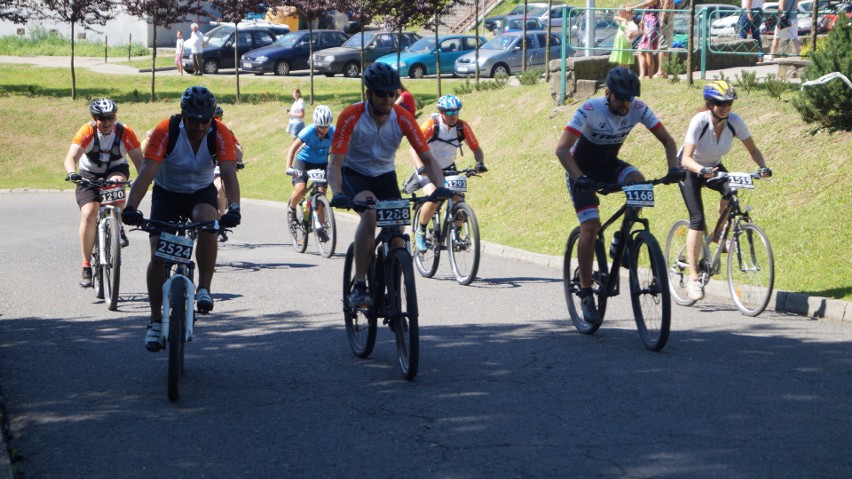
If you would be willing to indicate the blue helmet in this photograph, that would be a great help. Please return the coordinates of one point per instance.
(720, 90)
(449, 102)
(198, 103)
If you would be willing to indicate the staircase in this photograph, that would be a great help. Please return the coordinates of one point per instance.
(463, 17)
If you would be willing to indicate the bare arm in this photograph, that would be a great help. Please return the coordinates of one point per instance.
(689, 163)
(668, 142)
(145, 175)
(228, 173)
(433, 170)
(563, 152)
(75, 152)
(755, 153)
(335, 177)
(291, 153)
(136, 157)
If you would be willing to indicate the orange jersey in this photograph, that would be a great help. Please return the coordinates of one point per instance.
(446, 144)
(85, 139)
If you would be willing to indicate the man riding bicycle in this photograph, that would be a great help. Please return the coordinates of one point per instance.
(446, 133)
(182, 171)
(588, 150)
(101, 147)
(362, 161)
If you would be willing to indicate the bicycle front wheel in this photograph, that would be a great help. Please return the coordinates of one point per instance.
(177, 323)
(571, 282)
(97, 270)
(751, 269)
(649, 291)
(298, 232)
(677, 264)
(427, 261)
(326, 232)
(112, 268)
(403, 314)
(463, 243)
(360, 323)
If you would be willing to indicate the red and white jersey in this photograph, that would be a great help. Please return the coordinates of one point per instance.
(85, 139)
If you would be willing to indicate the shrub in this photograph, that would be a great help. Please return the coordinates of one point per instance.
(775, 85)
(829, 104)
(530, 77)
(674, 67)
(747, 82)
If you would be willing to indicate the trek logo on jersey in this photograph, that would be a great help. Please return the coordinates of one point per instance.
(615, 138)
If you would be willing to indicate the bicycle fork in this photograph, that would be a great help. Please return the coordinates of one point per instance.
(103, 260)
(189, 309)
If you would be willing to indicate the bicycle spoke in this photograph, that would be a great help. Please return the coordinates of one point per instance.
(751, 270)
(649, 292)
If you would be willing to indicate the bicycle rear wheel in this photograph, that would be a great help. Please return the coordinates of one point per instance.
(571, 282)
(427, 261)
(403, 312)
(112, 268)
(751, 269)
(360, 323)
(298, 231)
(676, 261)
(177, 323)
(327, 225)
(649, 291)
(463, 243)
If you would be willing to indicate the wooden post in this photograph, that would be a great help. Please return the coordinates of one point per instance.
(106, 47)
(129, 45)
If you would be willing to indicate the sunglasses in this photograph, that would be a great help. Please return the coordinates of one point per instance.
(196, 121)
(105, 117)
(450, 112)
(723, 103)
(623, 97)
(384, 94)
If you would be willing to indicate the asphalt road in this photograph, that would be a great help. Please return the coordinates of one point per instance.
(507, 387)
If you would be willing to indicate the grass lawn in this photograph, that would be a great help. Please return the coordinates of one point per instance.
(522, 201)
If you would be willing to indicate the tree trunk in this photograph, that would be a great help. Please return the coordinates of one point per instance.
(236, 59)
(73, 74)
(153, 65)
(311, 55)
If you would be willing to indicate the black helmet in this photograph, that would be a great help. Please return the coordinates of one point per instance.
(623, 82)
(380, 76)
(198, 103)
(219, 113)
(103, 106)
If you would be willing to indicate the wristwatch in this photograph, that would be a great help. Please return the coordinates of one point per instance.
(234, 206)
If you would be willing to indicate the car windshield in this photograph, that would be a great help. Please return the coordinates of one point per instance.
(288, 40)
(218, 36)
(355, 40)
(424, 45)
(503, 42)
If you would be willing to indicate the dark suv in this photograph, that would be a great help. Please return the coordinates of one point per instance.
(346, 58)
(219, 51)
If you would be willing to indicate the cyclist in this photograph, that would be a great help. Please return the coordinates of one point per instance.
(708, 138)
(362, 160)
(101, 148)
(182, 171)
(588, 150)
(446, 133)
(309, 151)
(217, 179)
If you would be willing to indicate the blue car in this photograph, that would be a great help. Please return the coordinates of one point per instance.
(289, 52)
(418, 59)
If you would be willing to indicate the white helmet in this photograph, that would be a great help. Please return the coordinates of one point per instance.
(323, 116)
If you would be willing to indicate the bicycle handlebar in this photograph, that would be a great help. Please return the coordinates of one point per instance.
(100, 182)
(723, 177)
(468, 172)
(607, 188)
(157, 226)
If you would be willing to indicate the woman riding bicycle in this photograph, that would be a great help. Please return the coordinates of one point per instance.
(710, 135)
(309, 151)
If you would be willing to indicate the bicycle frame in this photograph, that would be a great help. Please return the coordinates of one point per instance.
(630, 218)
(105, 212)
(728, 222)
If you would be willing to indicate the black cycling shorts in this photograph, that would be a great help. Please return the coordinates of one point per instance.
(384, 186)
(586, 202)
(91, 194)
(170, 206)
(690, 189)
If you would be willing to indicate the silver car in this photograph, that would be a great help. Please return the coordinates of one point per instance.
(503, 54)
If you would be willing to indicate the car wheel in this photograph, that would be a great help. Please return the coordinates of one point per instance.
(328, 74)
(352, 70)
(417, 71)
(282, 68)
(499, 68)
(211, 67)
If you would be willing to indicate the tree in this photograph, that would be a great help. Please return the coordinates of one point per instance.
(432, 12)
(15, 11)
(311, 10)
(84, 12)
(235, 11)
(160, 13)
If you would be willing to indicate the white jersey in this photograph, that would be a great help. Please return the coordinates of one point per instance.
(709, 148)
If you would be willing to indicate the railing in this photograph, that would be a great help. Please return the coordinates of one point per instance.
(469, 18)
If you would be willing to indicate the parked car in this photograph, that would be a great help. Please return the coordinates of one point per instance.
(418, 59)
(495, 22)
(219, 52)
(554, 16)
(346, 58)
(502, 54)
(290, 52)
(715, 11)
(515, 23)
(605, 29)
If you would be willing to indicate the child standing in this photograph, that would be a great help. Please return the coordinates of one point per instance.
(622, 46)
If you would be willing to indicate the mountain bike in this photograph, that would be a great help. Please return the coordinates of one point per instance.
(458, 233)
(639, 252)
(751, 266)
(106, 255)
(390, 281)
(175, 249)
(314, 213)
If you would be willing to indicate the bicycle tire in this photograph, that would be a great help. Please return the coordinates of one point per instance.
(298, 231)
(360, 325)
(427, 261)
(677, 263)
(649, 291)
(752, 280)
(325, 248)
(402, 294)
(463, 244)
(112, 268)
(177, 322)
(97, 270)
(571, 282)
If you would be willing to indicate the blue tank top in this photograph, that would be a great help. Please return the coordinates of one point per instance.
(315, 149)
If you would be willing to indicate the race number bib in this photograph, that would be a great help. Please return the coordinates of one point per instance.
(640, 195)
(177, 249)
(456, 183)
(317, 175)
(112, 195)
(741, 181)
(393, 213)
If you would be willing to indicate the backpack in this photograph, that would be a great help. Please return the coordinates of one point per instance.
(94, 156)
(459, 131)
(174, 132)
(707, 125)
